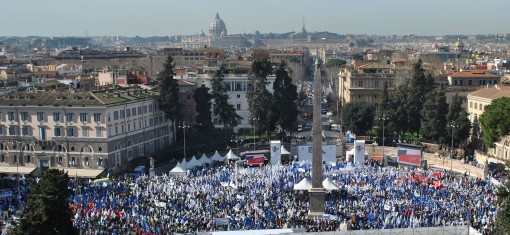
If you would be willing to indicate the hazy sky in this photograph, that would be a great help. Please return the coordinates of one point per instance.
(182, 17)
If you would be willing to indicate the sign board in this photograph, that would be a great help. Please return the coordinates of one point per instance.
(276, 155)
(359, 152)
(305, 153)
(409, 154)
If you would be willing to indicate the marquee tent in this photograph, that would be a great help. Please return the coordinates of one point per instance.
(284, 151)
(304, 184)
(178, 169)
(217, 157)
(231, 156)
(329, 185)
(193, 163)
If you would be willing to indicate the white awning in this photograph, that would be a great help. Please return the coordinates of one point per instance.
(329, 185)
(284, 151)
(305, 184)
(232, 156)
(12, 170)
(83, 173)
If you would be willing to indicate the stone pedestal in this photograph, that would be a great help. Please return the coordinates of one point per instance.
(152, 173)
(316, 202)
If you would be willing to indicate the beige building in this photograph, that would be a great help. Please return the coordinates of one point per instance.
(85, 133)
(365, 83)
(475, 106)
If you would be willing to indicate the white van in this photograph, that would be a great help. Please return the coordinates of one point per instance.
(335, 127)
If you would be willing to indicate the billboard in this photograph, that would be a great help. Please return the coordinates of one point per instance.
(305, 153)
(255, 158)
(409, 154)
(276, 156)
(359, 152)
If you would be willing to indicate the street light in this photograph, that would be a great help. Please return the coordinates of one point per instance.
(184, 125)
(254, 127)
(453, 125)
(383, 119)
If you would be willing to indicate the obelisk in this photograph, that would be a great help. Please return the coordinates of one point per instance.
(317, 192)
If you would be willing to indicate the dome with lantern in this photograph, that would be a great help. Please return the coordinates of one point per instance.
(217, 27)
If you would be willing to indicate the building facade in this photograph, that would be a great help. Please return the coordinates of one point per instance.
(96, 131)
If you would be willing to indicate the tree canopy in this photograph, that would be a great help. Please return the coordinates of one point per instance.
(285, 93)
(434, 116)
(260, 100)
(168, 97)
(358, 116)
(47, 210)
(495, 121)
(457, 117)
(335, 63)
(225, 111)
(203, 108)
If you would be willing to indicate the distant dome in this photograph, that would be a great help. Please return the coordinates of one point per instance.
(459, 45)
(217, 27)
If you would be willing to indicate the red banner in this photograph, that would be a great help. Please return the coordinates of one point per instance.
(410, 159)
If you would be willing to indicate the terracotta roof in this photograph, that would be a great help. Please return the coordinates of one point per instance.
(474, 74)
(185, 83)
(490, 93)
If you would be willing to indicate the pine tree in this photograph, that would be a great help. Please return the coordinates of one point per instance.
(398, 115)
(458, 121)
(168, 97)
(434, 116)
(225, 112)
(285, 93)
(203, 108)
(416, 97)
(358, 116)
(47, 210)
(260, 100)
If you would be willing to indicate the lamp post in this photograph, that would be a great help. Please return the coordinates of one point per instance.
(383, 119)
(452, 125)
(184, 125)
(254, 127)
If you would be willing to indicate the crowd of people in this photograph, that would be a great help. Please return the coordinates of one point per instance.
(220, 197)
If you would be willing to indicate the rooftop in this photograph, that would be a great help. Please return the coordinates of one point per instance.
(474, 74)
(491, 93)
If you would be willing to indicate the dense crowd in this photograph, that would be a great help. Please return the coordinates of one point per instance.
(221, 198)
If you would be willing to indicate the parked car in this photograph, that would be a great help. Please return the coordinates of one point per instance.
(308, 126)
(335, 127)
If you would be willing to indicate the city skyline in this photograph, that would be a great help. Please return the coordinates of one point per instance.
(157, 17)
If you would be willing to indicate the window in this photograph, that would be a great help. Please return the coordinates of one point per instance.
(150, 108)
(122, 128)
(145, 109)
(83, 117)
(122, 114)
(57, 131)
(115, 115)
(12, 130)
(100, 161)
(86, 161)
(140, 110)
(470, 104)
(238, 96)
(189, 107)
(476, 105)
(25, 130)
(24, 116)
(133, 110)
(69, 117)
(376, 83)
(40, 116)
(11, 116)
(151, 121)
(42, 133)
(1, 130)
(97, 117)
(85, 132)
(129, 126)
(376, 96)
(140, 124)
(360, 96)
(56, 117)
(99, 132)
(70, 132)
(128, 112)
(360, 83)
(134, 125)
(116, 130)
(188, 96)
(470, 82)
(28, 158)
(238, 106)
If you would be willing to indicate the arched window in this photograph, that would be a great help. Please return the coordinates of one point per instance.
(86, 153)
(28, 153)
(3, 152)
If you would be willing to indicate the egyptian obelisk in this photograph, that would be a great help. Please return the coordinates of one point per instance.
(317, 192)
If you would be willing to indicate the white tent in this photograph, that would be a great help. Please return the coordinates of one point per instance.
(204, 159)
(183, 164)
(193, 163)
(231, 156)
(329, 185)
(305, 184)
(284, 151)
(217, 157)
(178, 169)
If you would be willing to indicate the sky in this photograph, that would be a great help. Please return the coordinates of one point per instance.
(188, 17)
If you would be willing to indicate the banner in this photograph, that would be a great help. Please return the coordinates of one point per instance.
(276, 155)
(305, 153)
